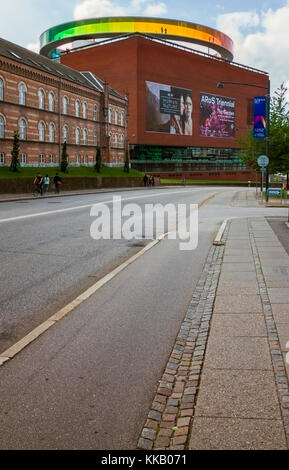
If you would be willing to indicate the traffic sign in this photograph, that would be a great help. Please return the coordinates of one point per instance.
(263, 160)
(274, 192)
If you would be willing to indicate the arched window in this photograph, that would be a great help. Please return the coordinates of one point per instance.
(95, 138)
(84, 136)
(51, 101)
(122, 141)
(84, 110)
(41, 99)
(22, 129)
(51, 132)
(116, 117)
(109, 115)
(65, 133)
(65, 104)
(77, 108)
(85, 160)
(41, 130)
(22, 90)
(116, 140)
(77, 136)
(122, 119)
(1, 89)
(2, 127)
(95, 112)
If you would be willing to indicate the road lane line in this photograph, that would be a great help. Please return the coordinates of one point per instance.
(85, 206)
(39, 330)
(30, 337)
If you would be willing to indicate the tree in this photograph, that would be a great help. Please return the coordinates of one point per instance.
(126, 163)
(98, 156)
(15, 164)
(64, 158)
(278, 137)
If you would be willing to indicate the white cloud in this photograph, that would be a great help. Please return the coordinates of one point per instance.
(260, 40)
(34, 47)
(97, 8)
(159, 9)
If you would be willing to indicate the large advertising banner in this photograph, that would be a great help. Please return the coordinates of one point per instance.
(217, 116)
(260, 113)
(169, 109)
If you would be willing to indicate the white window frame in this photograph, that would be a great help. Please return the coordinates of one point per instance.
(109, 115)
(51, 158)
(23, 158)
(41, 131)
(2, 158)
(42, 159)
(85, 160)
(41, 99)
(65, 133)
(51, 132)
(84, 110)
(64, 105)
(116, 117)
(122, 119)
(1, 89)
(95, 112)
(95, 137)
(77, 136)
(77, 108)
(2, 126)
(84, 136)
(22, 90)
(51, 101)
(22, 129)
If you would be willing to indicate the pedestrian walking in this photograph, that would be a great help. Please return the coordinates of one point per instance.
(57, 181)
(38, 182)
(145, 180)
(46, 184)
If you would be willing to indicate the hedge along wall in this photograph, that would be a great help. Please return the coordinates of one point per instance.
(25, 185)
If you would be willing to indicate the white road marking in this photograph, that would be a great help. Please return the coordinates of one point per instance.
(58, 211)
(39, 330)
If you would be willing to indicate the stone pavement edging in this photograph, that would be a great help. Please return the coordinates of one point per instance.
(263, 423)
(169, 421)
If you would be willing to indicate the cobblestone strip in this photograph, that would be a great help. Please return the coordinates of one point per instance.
(170, 418)
(273, 338)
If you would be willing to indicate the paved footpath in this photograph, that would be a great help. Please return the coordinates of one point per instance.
(226, 382)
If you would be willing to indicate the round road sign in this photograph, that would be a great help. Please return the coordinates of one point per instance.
(263, 160)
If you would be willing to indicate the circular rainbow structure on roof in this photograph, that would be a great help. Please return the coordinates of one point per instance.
(99, 28)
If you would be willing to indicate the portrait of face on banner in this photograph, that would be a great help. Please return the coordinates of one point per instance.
(169, 109)
(217, 116)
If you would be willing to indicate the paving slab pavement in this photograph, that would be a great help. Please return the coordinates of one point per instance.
(225, 386)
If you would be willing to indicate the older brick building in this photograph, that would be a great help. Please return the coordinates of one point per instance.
(48, 102)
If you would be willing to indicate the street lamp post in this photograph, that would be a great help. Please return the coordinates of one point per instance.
(223, 83)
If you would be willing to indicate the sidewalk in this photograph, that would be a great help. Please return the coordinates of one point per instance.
(225, 386)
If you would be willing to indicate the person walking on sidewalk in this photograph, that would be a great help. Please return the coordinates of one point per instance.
(46, 184)
(38, 182)
(57, 181)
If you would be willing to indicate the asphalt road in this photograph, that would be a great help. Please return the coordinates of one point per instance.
(88, 382)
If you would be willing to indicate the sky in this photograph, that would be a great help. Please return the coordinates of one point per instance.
(259, 28)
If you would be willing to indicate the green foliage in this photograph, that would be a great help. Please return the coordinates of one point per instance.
(15, 164)
(126, 163)
(64, 159)
(278, 137)
(98, 156)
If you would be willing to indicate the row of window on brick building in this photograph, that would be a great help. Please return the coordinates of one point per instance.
(114, 117)
(47, 159)
(80, 138)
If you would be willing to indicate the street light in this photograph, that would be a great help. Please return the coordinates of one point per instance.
(222, 85)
